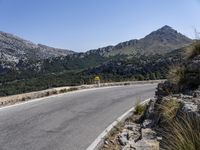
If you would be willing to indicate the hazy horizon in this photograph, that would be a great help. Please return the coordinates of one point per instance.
(81, 26)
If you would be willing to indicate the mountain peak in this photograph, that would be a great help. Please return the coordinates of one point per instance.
(167, 27)
(165, 40)
(167, 32)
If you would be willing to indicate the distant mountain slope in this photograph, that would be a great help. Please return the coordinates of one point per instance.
(57, 73)
(139, 67)
(160, 41)
(14, 50)
(31, 67)
(20, 55)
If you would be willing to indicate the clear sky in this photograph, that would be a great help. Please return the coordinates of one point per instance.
(81, 25)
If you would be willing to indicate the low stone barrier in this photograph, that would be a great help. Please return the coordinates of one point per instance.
(10, 100)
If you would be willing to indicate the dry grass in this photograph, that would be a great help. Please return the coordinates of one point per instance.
(168, 109)
(139, 109)
(180, 130)
(183, 133)
(176, 74)
(193, 50)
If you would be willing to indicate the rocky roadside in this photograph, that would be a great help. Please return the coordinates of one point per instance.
(145, 131)
(171, 121)
(133, 134)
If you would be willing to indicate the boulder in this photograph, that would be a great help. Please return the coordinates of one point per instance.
(148, 134)
(123, 138)
(166, 88)
(147, 145)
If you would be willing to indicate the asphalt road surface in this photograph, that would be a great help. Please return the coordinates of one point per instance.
(68, 121)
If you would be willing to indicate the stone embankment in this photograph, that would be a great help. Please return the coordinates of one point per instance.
(135, 133)
(146, 132)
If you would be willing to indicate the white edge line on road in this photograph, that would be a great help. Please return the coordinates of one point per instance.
(57, 95)
(97, 142)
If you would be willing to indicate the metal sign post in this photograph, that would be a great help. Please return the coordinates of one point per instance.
(97, 80)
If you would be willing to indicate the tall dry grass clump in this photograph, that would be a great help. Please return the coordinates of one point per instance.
(182, 133)
(168, 110)
(139, 108)
(179, 130)
(193, 50)
(176, 74)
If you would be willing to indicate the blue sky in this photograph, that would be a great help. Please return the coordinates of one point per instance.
(81, 25)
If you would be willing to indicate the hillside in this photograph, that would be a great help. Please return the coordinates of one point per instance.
(170, 120)
(160, 41)
(19, 54)
(33, 67)
(15, 52)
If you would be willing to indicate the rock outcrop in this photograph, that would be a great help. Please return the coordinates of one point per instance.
(15, 51)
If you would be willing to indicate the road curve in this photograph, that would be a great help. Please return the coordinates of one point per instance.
(68, 121)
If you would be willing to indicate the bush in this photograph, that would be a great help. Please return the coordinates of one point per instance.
(54, 92)
(139, 109)
(47, 93)
(63, 91)
(176, 75)
(73, 89)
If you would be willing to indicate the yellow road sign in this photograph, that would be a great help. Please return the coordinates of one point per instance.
(97, 78)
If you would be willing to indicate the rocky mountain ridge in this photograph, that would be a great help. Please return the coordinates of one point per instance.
(14, 50)
(161, 41)
(16, 53)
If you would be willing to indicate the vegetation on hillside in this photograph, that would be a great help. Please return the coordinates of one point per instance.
(186, 74)
(26, 67)
(180, 126)
(73, 70)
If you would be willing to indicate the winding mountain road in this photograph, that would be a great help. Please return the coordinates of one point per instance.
(68, 121)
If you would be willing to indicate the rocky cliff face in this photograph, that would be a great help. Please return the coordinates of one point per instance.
(185, 77)
(192, 72)
(15, 50)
